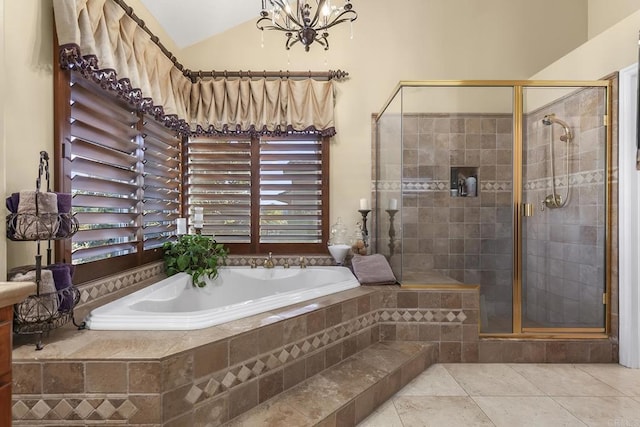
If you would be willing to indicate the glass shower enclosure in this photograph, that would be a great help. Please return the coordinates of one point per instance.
(501, 184)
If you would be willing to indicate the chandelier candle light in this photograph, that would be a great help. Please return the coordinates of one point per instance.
(301, 23)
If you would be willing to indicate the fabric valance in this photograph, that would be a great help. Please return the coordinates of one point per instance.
(99, 39)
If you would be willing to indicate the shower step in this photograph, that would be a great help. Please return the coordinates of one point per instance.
(347, 392)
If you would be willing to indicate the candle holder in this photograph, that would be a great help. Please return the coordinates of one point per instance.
(392, 231)
(365, 232)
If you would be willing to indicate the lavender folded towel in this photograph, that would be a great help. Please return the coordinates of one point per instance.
(373, 270)
(62, 277)
(64, 207)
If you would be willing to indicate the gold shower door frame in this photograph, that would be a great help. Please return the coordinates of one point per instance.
(518, 209)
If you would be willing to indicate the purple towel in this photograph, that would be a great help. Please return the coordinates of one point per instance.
(64, 208)
(13, 201)
(372, 270)
(62, 277)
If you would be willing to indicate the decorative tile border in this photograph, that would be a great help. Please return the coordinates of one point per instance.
(423, 186)
(97, 289)
(70, 409)
(424, 316)
(580, 178)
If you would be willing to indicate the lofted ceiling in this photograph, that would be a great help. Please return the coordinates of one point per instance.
(190, 21)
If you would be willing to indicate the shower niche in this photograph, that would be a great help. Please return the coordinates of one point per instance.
(541, 264)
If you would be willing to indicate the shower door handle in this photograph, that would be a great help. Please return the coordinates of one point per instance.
(527, 209)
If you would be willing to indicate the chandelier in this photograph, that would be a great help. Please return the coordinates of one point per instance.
(301, 22)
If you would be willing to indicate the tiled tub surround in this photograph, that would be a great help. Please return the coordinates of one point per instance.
(564, 249)
(209, 376)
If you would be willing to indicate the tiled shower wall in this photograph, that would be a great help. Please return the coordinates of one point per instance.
(564, 249)
(466, 238)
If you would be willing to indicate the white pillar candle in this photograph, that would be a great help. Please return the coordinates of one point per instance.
(393, 204)
(364, 204)
(181, 226)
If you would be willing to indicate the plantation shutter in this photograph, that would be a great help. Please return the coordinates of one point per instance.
(105, 155)
(219, 181)
(290, 191)
(161, 197)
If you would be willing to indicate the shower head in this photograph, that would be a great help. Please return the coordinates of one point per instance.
(550, 119)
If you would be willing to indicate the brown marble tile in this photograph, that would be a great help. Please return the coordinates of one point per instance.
(211, 358)
(411, 369)
(429, 332)
(333, 354)
(243, 347)
(452, 332)
(294, 373)
(407, 331)
(566, 352)
(174, 403)
(243, 398)
(333, 315)
(389, 298)
(490, 351)
(315, 321)
(363, 340)
(329, 421)
(177, 371)
(184, 420)
(66, 377)
(408, 299)
(148, 409)
(450, 352)
(270, 385)
(429, 299)
(470, 300)
(470, 333)
(271, 414)
(388, 332)
(600, 352)
(316, 398)
(294, 329)
(345, 416)
(349, 310)
(364, 304)
(383, 357)
(27, 378)
(270, 337)
(451, 300)
(315, 363)
(351, 377)
(365, 404)
(145, 377)
(473, 317)
(212, 412)
(107, 377)
(349, 346)
(469, 352)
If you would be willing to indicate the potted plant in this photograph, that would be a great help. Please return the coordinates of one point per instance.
(195, 254)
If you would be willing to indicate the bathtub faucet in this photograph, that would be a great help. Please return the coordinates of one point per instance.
(303, 262)
(268, 263)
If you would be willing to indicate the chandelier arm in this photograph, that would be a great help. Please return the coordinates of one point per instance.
(271, 26)
(316, 15)
(339, 20)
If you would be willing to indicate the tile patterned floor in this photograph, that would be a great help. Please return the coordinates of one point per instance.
(511, 395)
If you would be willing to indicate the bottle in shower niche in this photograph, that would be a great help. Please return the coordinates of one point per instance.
(471, 184)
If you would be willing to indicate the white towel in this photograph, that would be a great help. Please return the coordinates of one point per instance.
(42, 307)
(41, 223)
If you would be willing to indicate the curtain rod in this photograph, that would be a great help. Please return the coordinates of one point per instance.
(194, 75)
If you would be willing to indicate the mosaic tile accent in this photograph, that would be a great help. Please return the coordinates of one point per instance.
(74, 408)
(408, 186)
(102, 287)
(579, 178)
(293, 260)
(420, 315)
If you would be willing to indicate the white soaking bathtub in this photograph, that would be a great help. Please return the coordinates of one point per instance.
(237, 292)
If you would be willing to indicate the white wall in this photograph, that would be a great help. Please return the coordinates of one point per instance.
(605, 13)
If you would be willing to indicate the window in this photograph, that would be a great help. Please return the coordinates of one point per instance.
(130, 182)
(123, 171)
(280, 183)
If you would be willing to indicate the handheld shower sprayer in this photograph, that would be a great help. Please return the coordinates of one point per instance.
(555, 200)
